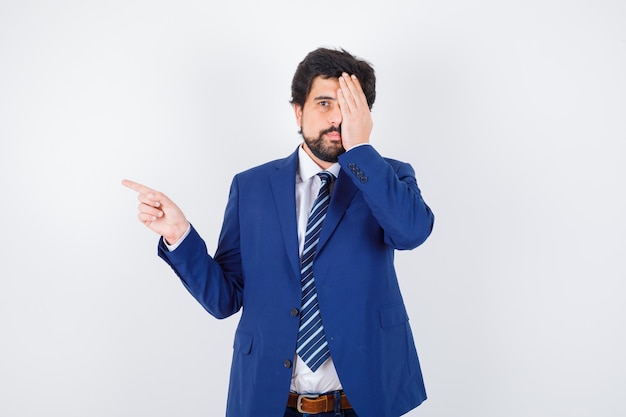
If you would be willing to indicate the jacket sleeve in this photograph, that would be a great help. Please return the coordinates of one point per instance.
(216, 283)
(391, 191)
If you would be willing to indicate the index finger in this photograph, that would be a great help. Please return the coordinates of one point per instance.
(355, 80)
(140, 188)
(354, 88)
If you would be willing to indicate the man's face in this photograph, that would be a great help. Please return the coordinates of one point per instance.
(320, 120)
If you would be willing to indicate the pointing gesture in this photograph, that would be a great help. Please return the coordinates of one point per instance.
(159, 213)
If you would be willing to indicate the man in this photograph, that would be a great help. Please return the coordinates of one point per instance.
(359, 358)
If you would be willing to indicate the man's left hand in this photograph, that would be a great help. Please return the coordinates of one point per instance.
(357, 124)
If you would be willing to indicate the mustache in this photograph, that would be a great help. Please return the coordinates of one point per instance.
(331, 129)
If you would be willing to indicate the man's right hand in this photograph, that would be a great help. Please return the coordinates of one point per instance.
(159, 213)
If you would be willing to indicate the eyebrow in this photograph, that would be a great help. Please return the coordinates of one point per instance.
(324, 98)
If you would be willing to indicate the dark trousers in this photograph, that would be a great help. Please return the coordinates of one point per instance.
(292, 412)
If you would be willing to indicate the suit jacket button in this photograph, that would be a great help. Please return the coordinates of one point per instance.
(287, 363)
(295, 312)
(363, 179)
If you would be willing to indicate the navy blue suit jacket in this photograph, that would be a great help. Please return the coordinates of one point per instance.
(376, 208)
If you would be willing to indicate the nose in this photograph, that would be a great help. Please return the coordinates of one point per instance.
(335, 118)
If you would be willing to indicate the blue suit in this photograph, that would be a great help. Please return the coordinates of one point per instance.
(376, 208)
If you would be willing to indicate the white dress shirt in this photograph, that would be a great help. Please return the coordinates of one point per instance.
(308, 183)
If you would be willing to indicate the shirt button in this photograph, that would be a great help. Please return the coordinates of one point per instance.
(295, 312)
(287, 363)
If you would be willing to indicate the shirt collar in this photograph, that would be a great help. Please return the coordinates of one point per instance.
(307, 168)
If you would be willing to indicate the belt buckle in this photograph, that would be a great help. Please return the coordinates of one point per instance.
(299, 402)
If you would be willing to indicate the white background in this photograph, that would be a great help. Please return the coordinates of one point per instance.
(513, 115)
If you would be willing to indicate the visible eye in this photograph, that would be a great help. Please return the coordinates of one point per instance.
(324, 103)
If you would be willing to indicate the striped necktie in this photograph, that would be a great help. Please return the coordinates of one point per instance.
(312, 346)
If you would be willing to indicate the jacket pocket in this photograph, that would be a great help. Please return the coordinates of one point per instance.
(243, 343)
(395, 315)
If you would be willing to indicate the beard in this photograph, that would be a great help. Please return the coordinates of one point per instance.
(327, 152)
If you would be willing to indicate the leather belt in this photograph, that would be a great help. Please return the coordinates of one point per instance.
(314, 404)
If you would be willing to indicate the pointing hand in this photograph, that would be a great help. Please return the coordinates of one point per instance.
(159, 213)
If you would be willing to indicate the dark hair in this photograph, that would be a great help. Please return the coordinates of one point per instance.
(331, 63)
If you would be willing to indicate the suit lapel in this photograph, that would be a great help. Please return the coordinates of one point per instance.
(342, 196)
(283, 183)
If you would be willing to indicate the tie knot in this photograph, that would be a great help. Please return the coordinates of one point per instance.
(327, 177)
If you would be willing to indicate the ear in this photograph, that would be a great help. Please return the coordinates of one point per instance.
(298, 112)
